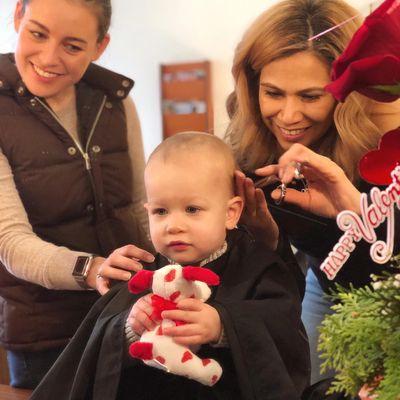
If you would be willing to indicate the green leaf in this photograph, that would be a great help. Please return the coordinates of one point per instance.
(391, 89)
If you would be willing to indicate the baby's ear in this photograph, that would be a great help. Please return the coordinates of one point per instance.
(233, 211)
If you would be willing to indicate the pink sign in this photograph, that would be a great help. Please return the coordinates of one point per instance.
(357, 227)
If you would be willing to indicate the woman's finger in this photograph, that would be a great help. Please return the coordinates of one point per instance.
(102, 285)
(269, 170)
(109, 272)
(293, 196)
(261, 202)
(117, 260)
(134, 252)
(250, 198)
(319, 165)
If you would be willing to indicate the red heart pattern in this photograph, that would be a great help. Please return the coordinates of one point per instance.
(187, 355)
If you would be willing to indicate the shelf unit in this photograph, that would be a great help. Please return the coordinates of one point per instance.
(186, 98)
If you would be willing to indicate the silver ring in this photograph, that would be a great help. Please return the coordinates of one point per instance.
(282, 187)
(98, 276)
(297, 171)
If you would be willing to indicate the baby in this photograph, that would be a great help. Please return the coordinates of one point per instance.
(191, 205)
(250, 324)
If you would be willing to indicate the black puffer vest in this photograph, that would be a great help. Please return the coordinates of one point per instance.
(78, 196)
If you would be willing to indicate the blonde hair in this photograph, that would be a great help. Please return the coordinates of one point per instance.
(279, 32)
(213, 149)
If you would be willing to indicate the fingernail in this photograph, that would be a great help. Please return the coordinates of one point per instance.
(275, 194)
(127, 276)
(150, 258)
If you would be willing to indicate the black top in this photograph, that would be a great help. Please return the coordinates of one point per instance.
(259, 302)
(316, 236)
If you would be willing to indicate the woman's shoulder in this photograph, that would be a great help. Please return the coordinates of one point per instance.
(386, 116)
(115, 85)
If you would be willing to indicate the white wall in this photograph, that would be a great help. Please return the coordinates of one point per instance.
(146, 33)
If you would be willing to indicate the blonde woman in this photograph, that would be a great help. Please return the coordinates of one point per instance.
(280, 68)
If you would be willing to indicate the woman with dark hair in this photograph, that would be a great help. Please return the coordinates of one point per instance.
(71, 173)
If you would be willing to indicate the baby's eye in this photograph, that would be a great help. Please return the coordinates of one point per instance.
(159, 211)
(192, 209)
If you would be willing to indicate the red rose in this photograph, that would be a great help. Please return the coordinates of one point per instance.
(372, 58)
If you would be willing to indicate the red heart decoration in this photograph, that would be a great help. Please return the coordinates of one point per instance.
(375, 166)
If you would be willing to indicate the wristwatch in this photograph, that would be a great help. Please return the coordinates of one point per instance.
(81, 270)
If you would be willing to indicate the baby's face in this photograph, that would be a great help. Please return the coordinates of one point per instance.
(188, 209)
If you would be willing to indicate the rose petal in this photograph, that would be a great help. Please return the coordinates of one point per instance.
(372, 57)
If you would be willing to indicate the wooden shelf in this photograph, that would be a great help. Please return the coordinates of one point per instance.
(192, 90)
(186, 98)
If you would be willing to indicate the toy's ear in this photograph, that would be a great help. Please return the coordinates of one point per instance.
(140, 281)
(200, 274)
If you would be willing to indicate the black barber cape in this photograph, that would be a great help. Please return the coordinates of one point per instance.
(259, 302)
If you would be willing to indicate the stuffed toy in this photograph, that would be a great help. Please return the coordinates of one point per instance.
(171, 284)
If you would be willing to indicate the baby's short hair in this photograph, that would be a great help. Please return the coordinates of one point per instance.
(187, 144)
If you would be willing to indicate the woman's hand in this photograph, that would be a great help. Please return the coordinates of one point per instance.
(202, 323)
(119, 265)
(329, 189)
(139, 317)
(256, 215)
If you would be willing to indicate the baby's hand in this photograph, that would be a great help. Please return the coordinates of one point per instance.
(203, 324)
(139, 317)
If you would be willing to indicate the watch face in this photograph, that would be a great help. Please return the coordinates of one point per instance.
(80, 264)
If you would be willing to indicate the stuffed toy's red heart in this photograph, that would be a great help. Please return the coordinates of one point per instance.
(375, 167)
